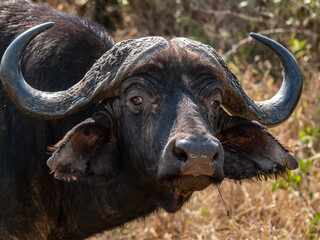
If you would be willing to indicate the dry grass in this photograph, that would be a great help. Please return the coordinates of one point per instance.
(257, 212)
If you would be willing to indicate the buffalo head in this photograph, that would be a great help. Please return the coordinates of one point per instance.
(171, 117)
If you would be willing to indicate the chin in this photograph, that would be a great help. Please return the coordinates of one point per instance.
(182, 189)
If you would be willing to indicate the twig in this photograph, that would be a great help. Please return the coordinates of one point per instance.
(314, 157)
(269, 32)
(231, 13)
(229, 213)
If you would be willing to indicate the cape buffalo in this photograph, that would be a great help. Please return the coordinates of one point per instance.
(150, 121)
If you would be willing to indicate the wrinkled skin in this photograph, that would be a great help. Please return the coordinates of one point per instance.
(171, 104)
(163, 137)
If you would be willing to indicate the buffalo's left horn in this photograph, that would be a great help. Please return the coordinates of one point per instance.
(237, 102)
(279, 107)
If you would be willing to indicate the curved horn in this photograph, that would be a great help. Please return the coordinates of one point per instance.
(279, 107)
(44, 105)
(101, 81)
(237, 102)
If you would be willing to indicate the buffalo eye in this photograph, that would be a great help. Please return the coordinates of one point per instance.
(215, 104)
(136, 101)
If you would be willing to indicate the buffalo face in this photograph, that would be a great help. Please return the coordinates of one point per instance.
(168, 124)
(167, 131)
(173, 118)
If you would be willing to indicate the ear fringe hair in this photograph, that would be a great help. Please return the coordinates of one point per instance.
(260, 177)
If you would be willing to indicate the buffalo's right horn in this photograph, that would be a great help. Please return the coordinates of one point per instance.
(44, 105)
(101, 81)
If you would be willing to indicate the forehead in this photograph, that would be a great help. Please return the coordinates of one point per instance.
(176, 63)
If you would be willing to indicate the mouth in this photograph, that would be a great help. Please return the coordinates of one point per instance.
(176, 199)
(183, 187)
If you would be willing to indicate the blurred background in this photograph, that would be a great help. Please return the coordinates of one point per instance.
(285, 208)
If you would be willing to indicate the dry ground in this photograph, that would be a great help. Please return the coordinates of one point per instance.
(256, 214)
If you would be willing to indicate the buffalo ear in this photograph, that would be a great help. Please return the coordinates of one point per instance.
(87, 152)
(250, 150)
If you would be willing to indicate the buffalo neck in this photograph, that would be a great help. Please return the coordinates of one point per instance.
(90, 208)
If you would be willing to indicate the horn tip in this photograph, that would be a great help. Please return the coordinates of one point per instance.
(255, 35)
(46, 25)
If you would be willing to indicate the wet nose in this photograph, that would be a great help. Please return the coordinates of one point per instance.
(198, 156)
(192, 156)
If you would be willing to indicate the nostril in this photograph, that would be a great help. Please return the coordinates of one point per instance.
(180, 154)
(216, 160)
(199, 147)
